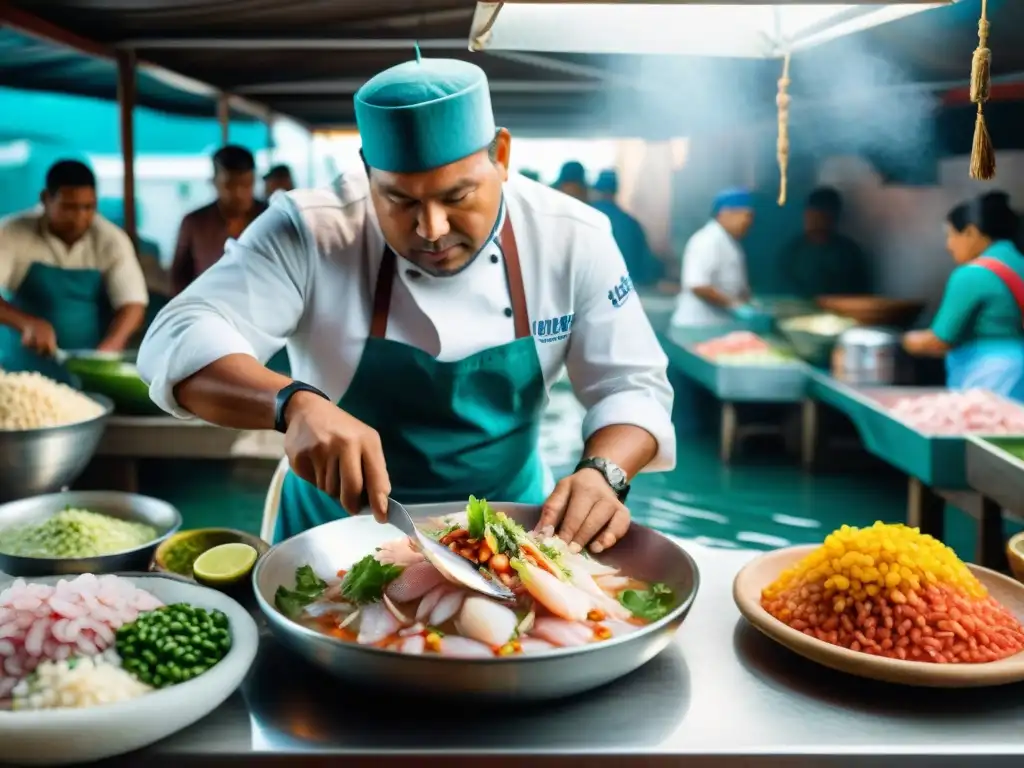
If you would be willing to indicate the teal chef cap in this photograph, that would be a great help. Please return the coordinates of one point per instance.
(424, 114)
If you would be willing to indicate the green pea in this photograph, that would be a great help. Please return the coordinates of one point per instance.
(175, 626)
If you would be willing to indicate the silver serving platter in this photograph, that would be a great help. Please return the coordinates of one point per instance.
(643, 554)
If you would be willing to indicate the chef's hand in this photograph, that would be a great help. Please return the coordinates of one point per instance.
(39, 336)
(585, 510)
(111, 345)
(337, 453)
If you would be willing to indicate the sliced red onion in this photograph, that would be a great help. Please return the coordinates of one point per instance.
(415, 629)
(527, 623)
(401, 617)
(351, 617)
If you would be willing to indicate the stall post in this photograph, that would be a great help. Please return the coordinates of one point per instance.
(224, 117)
(126, 66)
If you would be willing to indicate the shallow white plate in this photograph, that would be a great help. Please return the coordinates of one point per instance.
(60, 737)
(762, 571)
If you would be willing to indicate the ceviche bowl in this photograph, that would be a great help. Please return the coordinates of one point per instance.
(643, 555)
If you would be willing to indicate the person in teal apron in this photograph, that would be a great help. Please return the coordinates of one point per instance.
(433, 301)
(821, 261)
(644, 268)
(979, 326)
(63, 267)
(572, 180)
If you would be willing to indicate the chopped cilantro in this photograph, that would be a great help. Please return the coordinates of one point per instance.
(649, 604)
(477, 513)
(308, 587)
(365, 581)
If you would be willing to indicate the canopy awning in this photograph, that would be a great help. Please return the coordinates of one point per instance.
(741, 29)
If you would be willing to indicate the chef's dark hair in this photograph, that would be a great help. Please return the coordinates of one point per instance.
(68, 173)
(827, 200)
(990, 213)
(233, 159)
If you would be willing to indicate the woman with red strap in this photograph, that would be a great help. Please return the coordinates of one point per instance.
(979, 327)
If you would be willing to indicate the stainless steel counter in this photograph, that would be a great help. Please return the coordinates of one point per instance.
(723, 695)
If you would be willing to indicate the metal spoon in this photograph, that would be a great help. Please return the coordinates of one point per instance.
(453, 567)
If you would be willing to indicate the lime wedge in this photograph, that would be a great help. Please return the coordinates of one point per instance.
(226, 564)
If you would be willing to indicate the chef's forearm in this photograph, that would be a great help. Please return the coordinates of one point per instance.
(713, 296)
(126, 321)
(236, 391)
(629, 446)
(11, 316)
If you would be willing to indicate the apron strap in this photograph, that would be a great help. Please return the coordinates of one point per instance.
(1009, 277)
(513, 276)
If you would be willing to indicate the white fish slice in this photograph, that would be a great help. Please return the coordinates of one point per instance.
(376, 624)
(414, 582)
(487, 621)
(428, 602)
(463, 647)
(446, 607)
(563, 633)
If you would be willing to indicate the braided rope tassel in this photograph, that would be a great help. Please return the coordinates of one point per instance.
(983, 154)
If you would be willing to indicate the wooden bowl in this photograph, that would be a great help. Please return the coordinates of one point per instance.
(873, 310)
(759, 573)
(1015, 554)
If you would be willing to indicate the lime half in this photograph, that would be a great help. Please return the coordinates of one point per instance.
(226, 564)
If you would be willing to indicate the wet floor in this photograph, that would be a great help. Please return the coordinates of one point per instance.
(763, 501)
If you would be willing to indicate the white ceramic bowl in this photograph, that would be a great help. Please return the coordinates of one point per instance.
(62, 737)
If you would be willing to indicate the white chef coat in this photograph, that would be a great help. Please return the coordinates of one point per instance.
(302, 275)
(713, 258)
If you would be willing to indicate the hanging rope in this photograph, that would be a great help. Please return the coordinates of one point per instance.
(782, 146)
(479, 42)
(983, 155)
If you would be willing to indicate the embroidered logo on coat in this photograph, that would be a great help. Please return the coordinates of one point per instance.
(620, 292)
(554, 329)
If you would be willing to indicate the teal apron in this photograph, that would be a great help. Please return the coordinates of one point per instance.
(449, 429)
(993, 364)
(73, 301)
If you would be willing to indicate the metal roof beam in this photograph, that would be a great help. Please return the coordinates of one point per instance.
(351, 85)
(38, 28)
(290, 44)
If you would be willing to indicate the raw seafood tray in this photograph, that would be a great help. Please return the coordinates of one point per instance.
(936, 460)
(781, 383)
(995, 469)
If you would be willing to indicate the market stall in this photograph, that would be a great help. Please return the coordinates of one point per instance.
(738, 368)
(927, 440)
(995, 469)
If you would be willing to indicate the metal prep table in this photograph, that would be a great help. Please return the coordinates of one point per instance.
(723, 695)
(936, 466)
(128, 440)
(733, 385)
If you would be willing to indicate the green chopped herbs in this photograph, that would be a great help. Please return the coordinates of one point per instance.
(75, 533)
(173, 644)
(649, 604)
(366, 580)
(308, 588)
(477, 512)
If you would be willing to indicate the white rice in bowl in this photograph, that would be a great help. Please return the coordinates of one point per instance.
(44, 622)
(32, 401)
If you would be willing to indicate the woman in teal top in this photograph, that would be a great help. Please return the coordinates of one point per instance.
(980, 324)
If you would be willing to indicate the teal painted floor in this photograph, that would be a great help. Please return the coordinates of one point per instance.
(762, 502)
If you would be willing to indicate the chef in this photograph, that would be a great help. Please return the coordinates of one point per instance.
(979, 326)
(73, 277)
(714, 284)
(629, 234)
(428, 305)
(572, 180)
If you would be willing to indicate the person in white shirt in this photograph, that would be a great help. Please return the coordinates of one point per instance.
(73, 276)
(714, 282)
(433, 301)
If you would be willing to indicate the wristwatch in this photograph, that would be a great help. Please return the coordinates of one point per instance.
(613, 474)
(284, 396)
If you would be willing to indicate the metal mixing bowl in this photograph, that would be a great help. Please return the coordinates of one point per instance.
(643, 553)
(126, 506)
(34, 461)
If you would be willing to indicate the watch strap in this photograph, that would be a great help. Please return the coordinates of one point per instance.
(284, 396)
(609, 471)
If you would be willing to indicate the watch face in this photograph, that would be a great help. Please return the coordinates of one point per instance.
(616, 477)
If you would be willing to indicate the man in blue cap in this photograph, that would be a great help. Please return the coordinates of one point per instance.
(572, 180)
(427, 306)
(644, 268)
(714, 266)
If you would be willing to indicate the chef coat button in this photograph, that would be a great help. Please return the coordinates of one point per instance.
(411, 273)
(494, 258)
(508, 312)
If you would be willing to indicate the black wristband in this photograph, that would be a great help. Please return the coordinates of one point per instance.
(283, 397)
